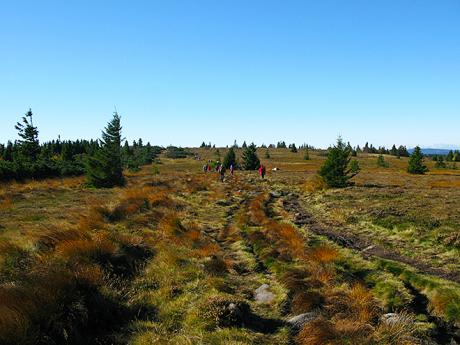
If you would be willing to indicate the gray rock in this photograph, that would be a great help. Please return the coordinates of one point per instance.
(275, 194)
(298, 321)
(263, 294)
(389, 318)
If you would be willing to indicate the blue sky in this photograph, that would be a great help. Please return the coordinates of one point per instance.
(180, 72)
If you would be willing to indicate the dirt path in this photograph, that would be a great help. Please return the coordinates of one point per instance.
(247, 273)
(348, 240)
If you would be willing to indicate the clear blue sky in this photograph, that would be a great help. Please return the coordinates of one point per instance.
(180, 72)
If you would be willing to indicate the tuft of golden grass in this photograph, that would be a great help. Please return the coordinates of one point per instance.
(362, 303)
(54, 236)
(16, 307)
(400, 331)
(6, 202)
(324, 254)
(314, 184)
(317, 332)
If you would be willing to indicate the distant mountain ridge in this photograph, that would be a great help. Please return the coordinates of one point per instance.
(431, 151)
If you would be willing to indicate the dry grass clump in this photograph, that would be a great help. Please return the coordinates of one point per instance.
(136, 201)
(17, 306)
(171, 226)
(6, 202)
(355, 302)
(318, 332)
(54, 236)
(82, 250)
(400, 330)
(284, 237)
(223, 311)
(446, 303)
(197, 183)
(92, 220)
(315, 183)
(216, 265)
(343, 332)
(306, 300)
(257, 210)
(207, 249)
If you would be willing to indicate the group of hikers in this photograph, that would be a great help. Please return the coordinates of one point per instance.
(220, 168)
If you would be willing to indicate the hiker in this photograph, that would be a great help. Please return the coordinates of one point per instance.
(262, 171)
(221, 173)
(205, 168)
(231, 169)
(209, 167)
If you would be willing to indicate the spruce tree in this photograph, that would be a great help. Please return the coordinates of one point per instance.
(394, 150)
(28, 145)
(104, 169)
(230, 158)
(293, 148)
(337, 170)
(381, 162)
(402, 151)
(440, 164)
(250, 159)
(8, 153)
(416, 165)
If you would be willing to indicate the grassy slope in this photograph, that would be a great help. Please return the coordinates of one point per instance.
(194, 246)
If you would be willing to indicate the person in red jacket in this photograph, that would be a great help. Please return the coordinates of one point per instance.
(262, 171)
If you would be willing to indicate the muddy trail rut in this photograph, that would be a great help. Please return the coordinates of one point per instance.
(303, 218)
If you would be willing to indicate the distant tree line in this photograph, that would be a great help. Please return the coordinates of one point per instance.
(27, 158)
(400, 151)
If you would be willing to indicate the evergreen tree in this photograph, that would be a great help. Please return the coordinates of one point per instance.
(250, 159)
(440, 164)
(281, 145)
(126, 152)
(354, 153)
(394, 150)
(293, 148)
(66, 153)
(381, 162)
(456, 157)
(8, 153)
(230, 158)
(416, 165)
(337, 170)
(28, 145)
(203, 145)
(366, 148)
(450, 156)
(402, 151)
(244, 145)
(354, 167)
(104, 169)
